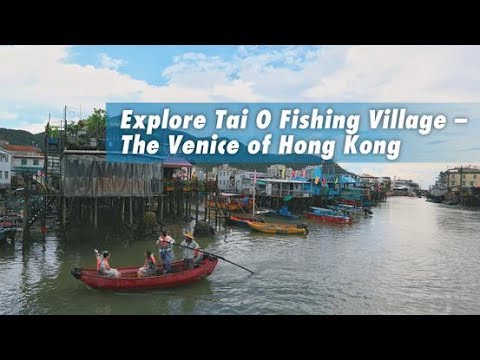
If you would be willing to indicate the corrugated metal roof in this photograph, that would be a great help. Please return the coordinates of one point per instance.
(23, 148)
(176, 161)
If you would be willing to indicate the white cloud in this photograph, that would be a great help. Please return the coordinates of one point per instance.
(108, 62)
(42, 77)
(34, 128)
(403, 73)
(6, 115)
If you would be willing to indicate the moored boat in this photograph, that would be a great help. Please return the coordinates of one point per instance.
(320, 210)
(232, 202)
(237, 220)
(283, 212)
(274, 228)
(334, 218)
(7, 233)
(129, 279)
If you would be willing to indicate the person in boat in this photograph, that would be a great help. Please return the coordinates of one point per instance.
(166, 251)
(189, 246)
(103, 266)
(149, 268)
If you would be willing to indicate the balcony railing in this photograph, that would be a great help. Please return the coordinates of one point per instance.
(294, 193)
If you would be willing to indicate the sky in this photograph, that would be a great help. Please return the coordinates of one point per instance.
(40, 80)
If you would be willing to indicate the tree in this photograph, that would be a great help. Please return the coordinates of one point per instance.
(96, 124)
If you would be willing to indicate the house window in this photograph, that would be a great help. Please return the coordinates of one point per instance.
(24, 162)
(35, 162)
(471, 183)
(1, 174)
(452, 183)
(6, 174)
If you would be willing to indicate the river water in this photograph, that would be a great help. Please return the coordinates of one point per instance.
(410, 257)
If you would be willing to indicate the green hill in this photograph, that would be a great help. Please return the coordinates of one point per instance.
(22, 137)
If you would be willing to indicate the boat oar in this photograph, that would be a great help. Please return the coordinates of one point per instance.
(217, 256)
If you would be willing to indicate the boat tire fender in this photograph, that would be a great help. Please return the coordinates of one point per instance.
(76, 272)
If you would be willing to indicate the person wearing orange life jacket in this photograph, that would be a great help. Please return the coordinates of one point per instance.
(149, 268)
(103, 266)
(166, 251)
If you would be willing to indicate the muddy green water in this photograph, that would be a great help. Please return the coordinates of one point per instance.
(410, 257)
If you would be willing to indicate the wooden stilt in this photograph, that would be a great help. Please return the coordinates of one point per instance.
(197, 199)
(64, 210)
(95, 223)
(131, 211)
(123, 210)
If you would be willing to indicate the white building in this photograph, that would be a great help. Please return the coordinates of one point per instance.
(276, 171)
(404, 187)
(244, 181)
(226, 177)
(27, 159)
(5, 169)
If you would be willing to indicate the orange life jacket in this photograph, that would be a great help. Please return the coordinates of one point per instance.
(107, 265)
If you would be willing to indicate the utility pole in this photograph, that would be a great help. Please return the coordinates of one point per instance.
(45, 177)
(26, 208)
(65, 127)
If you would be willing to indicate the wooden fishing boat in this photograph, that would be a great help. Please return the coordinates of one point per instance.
(350, 210)
(129, 280)
(273, 228)
(231, 202)
(241, 221)
(339, 219)
(350, 202)
(282, 212)
(320, 210)
(7, 233)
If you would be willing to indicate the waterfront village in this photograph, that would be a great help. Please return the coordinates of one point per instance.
(69, 179)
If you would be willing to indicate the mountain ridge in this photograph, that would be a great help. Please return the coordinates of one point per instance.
(22, 137)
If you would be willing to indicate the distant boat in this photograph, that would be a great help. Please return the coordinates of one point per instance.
(129, 279)
(343, 209)
(237, 220)
(283, 212)
(7, 233)
(275, 228)
(232, 202)
(320, 210)
(328, 215)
